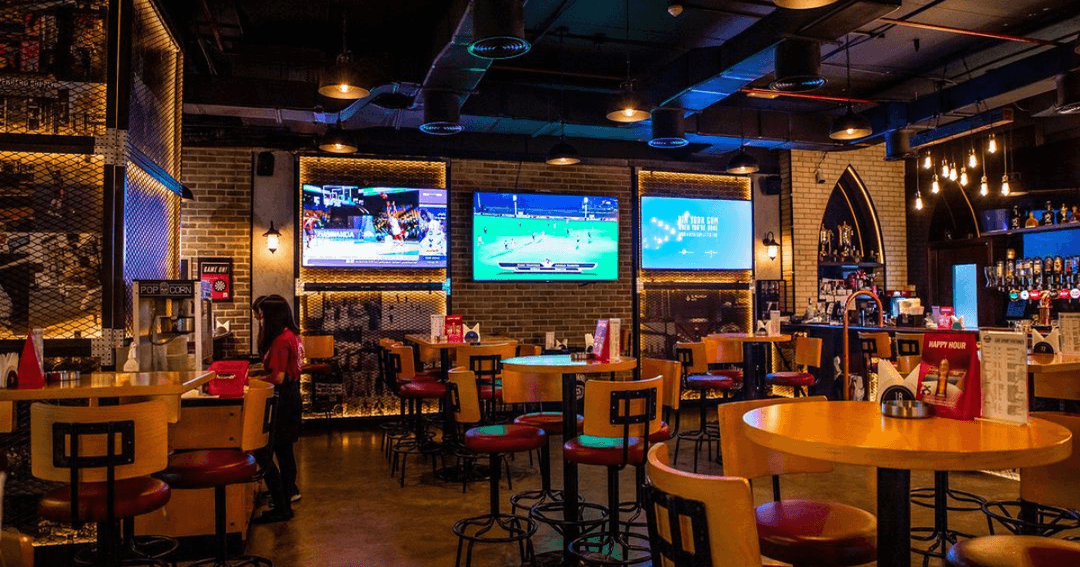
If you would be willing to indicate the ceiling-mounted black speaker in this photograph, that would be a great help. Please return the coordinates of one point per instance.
(1068, 93)
(898, 145)
(668, 128)
(798, 66)
(498, 29)
(442, 113)
(770, 185)
(264, 164)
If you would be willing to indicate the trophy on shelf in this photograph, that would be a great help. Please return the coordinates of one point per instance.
(825, 242)
(847, 250)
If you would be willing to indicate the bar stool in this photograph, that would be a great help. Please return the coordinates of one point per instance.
(494, 440)
(106, 454)
(326, 378)
(871, 345)
(220, 468)
(699, 377)
(395, 429)
(486, 363)
(801, 532)
(671, 393)
(697, 520)
(619, 418)
(1049, 499)
(807, 354)
(908, 352)
(414, 388)
(1013, 551)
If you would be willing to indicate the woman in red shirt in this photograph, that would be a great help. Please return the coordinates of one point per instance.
(283, 354)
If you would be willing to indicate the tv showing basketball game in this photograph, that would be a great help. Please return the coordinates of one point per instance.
(547, 237)
(679, 233)
(347, 226)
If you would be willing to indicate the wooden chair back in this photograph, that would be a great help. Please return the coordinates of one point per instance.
(610, 404)
(485, 360)
(318, 347)
(671, 392)
(876, 345)
(464, 395)
(16, 549)
(257, 415)
(529, 350)
(400, 363)
(72, 444)
(908, 352)
(712, 349)
(742, 457)
(729, 351)
(807, 351)
(696, 519)
(1056, 484)
(692, 357)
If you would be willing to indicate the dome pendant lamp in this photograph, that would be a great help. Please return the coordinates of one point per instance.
(337, 141)
(562, 153)
(742, 163)
(341, 79)
(802, 4)
(850, 126)
(629, 107)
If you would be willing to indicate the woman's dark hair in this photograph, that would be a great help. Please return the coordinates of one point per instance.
(277, 316)
(257, 302)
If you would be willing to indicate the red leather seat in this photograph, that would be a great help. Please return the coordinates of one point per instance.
(549, 421)
(317, 368)
(132, 497)
(426, 376)
(793, 379)
(504, 438)
(714, 381)
(1013, 551)
(208, 468)
(660, 435)
(811, 532)
(487, 391)
(422, 389)
(603, 451)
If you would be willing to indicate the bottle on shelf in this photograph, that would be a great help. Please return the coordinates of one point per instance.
(1031, 221)
(1015, 220)
(1048, 215)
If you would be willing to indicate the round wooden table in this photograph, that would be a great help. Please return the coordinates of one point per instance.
(757, 355)
(561, 364)
(856, 433)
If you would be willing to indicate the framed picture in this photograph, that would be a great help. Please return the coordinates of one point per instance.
(219, 273)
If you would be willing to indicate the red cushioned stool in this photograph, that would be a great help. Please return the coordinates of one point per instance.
(1013, 551)
(698, 376)
(807, 353)
(496, 527)
(105, 453)
(219, 468)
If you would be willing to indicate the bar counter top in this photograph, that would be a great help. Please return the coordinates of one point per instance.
(113, 385)
(891, 329)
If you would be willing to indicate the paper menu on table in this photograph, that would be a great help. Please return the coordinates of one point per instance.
(1004, 377)
(1069, 326)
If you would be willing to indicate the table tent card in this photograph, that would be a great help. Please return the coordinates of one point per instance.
(438, 326)
(1049, 344)
(1069, 326)
(949, 376)
(1004, 377)
(454, 331)
(600, 340)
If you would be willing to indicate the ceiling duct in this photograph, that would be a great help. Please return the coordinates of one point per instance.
(668, 128)
(442, 113)
(798, 66)
(898, 145)
(802, 4)
(498, 29)
(1068, 93)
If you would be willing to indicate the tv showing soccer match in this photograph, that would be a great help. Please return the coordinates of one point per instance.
(696, 234)
(547, 237)
(348, 226)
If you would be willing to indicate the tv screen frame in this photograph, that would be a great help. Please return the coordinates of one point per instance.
(644, 220)
(413, 215)
(542, 275)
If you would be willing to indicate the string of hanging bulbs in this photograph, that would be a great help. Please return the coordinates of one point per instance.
(959, 167)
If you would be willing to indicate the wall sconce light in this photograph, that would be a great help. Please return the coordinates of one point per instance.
(772, 246)
(273, 238)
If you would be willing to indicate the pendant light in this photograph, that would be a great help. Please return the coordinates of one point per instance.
(984, 185)
(918, 200)
(498, 29)
(935, 187)
(963, 176)
(973, 161)
(337, 140)
(628, 107)
(928, 162)
(562, 153)
(953, 176)
(991, 145)
(850, 126)
(675, 8)
(341, 79)
(945, 168)
(742, 163)
(802, 4)
(1005, 188)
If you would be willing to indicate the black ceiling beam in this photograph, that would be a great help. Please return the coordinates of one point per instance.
(702, 77)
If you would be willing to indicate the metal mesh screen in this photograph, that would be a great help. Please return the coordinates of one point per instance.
(53, 67)
(357, 320)
(156, 64)
(50, 244)
(152, 230)
(669, 316)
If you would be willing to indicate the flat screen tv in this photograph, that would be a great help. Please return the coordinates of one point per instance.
(347, 226)
(679, 233)
(547, 237)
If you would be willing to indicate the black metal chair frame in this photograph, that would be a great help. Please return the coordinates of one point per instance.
(673, 552)
(940, 536)
(420, 442)
(706, 433)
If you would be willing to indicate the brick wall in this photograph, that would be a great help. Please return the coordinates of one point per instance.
(526, 310)
(218, 223)
(885, 183)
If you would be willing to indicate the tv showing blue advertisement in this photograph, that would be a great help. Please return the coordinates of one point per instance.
(545, 237)
(696, 234)
(347, 226)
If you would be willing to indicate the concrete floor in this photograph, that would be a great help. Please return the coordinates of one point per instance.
(353, 514)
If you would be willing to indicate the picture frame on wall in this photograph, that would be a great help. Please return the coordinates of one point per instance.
(219, 273)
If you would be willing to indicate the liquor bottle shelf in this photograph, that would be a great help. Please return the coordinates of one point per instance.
(1048, 228)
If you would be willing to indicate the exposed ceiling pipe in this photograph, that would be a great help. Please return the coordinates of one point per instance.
(766, 93)
(961, 31)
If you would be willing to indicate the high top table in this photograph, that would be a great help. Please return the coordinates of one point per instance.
(856, 433)
(562, 365)
(757, 354)
(445, 347)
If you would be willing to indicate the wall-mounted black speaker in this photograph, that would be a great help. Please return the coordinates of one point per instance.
(770, 185)
(264, 164)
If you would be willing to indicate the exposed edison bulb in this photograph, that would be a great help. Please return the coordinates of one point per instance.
(984, 187)
(953, 175)
(918, 201)
(973, 161)
(991, 146)
(944, 168)
(963, 177)
(1005, 189)
(935, 187)
(927, 162)
(343, 88)
(628, 112)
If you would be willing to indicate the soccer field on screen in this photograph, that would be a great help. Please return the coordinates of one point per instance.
(510, 239)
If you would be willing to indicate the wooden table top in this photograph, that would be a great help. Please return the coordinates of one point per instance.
(1043, 363)
(114, 385)
(562, 364)
(751, 338)
(425, 341)
(856, 433)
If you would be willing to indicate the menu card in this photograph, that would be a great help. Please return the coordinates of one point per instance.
(438, 323)
(1069, 325)
(600, 340)
(454, 331)
(1005, 384)
(949, 375)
